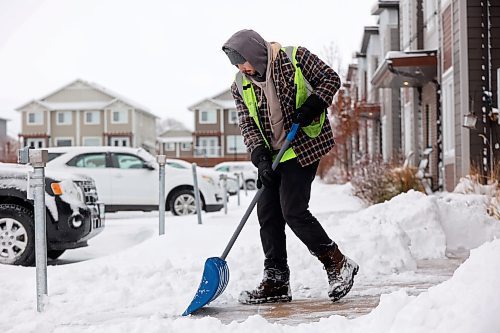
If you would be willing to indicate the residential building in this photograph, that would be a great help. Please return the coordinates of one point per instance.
(446, 74)
(3, 128)
(367, 99)
(83, 113)
(177, 143)
(217, 136)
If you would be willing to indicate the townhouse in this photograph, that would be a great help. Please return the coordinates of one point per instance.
(83, 113)
(432, 67)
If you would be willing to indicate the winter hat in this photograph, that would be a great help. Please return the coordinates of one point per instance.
(234, 56)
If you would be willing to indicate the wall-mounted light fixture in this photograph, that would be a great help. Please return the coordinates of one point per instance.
(470, 121)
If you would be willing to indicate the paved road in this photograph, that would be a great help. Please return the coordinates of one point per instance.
(362, 299)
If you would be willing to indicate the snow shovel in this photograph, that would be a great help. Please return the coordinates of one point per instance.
(216, 273)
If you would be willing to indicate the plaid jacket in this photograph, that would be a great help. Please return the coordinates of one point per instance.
(325, 83)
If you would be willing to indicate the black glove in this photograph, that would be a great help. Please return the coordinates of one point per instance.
(312, 108)
(261, 158)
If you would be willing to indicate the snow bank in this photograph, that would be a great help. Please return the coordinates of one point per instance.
(145, 287)
(133, 299)
(392, 236)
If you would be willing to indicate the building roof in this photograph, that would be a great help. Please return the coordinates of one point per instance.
(176, 139)
(406, 69)
(384, 4)
(223, 103)
(87, 105)
(369, 31)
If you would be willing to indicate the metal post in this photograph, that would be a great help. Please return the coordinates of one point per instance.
(238, 182)
(196, 193)
(224, 187)
(244, 184)
(38, 158)
(162, 160)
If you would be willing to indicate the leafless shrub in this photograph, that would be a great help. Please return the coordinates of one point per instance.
(376, 181)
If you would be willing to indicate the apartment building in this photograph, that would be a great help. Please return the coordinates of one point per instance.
(217, 136)
(177, 143)
(437, 90)
(84, 113)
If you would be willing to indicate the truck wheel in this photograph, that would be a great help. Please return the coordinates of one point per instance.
(183, 203)
(17, 235)
(250, 184)
(54, 254)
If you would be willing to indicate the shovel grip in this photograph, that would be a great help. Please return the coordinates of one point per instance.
(288, 140)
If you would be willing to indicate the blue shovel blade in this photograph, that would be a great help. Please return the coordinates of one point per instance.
(213, 282)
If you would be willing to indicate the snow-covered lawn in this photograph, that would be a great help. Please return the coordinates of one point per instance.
(131, 280)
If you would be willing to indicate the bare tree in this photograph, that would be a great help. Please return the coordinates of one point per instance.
(169, 124)
(332, 56)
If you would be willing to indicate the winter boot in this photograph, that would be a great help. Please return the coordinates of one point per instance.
(274, 288)
(340, 270)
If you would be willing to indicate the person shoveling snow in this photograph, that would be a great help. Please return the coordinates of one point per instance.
(268, 103)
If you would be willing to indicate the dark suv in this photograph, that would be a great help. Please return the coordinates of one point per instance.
(74, 214)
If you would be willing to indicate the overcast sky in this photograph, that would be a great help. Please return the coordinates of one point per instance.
(165, 55)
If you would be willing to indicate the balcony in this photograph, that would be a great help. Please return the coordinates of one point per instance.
(207, 151)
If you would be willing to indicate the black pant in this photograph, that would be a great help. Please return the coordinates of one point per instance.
(287, 202)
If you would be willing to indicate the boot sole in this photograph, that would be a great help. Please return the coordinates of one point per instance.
(346, 291)
(275, 299)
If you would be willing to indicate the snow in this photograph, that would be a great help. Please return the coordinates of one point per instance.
(130, 280)
(91, 105)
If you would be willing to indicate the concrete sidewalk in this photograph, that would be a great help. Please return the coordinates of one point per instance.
(362, 299)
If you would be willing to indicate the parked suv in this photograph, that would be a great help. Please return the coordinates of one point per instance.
(247, 168)
(127, 179)
(231, 185)
(74, 214)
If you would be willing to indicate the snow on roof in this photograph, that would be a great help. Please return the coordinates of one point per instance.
(176, 139)
(116, 97)
(410, 54)
(225, 103)
(74, 105)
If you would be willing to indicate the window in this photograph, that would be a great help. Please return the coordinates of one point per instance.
(222, 169)
(186, 146)
(64, 118)
(208, 146)
(54, 156)
(120, 141)
(35, 118)
(170, 146)
(128, 161)
(91, 141)
(208, 117)
(92, 117)
(235, 144)
(35, 143)
(119, 117)
(94, 160)
(176, 165)
(232, 117)
(64, 142)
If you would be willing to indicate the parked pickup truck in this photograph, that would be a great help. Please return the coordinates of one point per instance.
(74, 214)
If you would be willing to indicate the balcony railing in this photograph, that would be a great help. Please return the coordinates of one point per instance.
(207, 151)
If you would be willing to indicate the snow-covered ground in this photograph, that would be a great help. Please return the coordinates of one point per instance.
(131, 280)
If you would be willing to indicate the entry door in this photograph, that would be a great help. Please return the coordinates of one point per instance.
(120, 141)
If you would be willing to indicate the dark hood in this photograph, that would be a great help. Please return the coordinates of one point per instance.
(252, 47)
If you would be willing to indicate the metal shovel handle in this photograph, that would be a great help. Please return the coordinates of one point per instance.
(288, 140)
